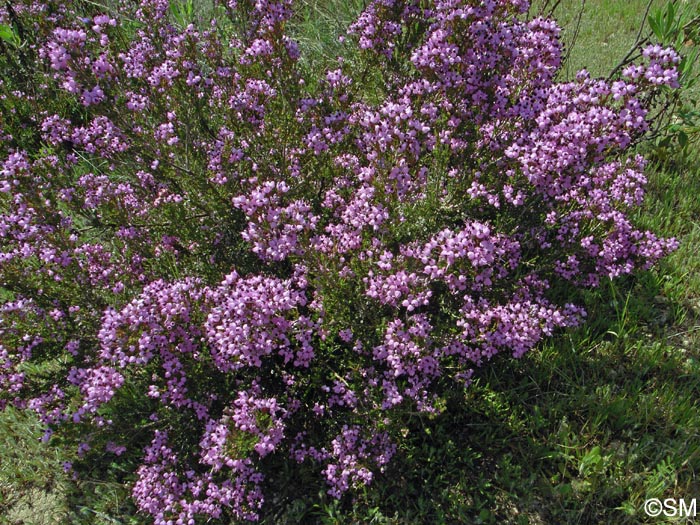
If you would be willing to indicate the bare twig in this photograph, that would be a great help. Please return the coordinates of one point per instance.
(550, 14)
(684, 332)
(105, 225)
(638, 42)
(577, 28)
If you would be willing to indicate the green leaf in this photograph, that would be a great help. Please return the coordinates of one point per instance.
(655, 26)
(686, 68)
(665, 142)
(565, 490)
(590, 461)
(7, 34)
(682, 139)
(670, 17)
(485, 515)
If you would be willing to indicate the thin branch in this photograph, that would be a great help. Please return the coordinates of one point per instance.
(577, 28)
(638, 41)
(553, 9)
(684, 332)
(105, 225)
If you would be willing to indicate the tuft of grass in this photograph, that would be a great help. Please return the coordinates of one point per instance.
(32, 482)
(317, 26)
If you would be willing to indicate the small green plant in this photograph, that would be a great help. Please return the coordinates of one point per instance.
(677, 125)
(183, 12)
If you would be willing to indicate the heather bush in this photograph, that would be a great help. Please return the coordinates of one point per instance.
(217, 260)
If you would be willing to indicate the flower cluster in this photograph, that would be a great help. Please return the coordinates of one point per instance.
(251, 261)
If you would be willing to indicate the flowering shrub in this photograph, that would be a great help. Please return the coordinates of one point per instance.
(213, 259)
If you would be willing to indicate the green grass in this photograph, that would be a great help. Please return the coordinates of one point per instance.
(606, 32)
(32, 483)
(318, 25)
(581, 430)
(597, 34)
